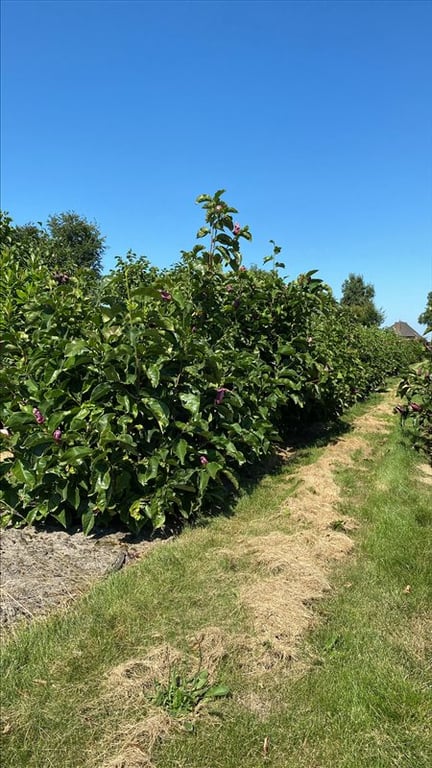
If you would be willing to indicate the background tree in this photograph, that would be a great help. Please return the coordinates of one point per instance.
(426, 317)
(76, 240)
(359, 296)
(67, 243)
(26, 236)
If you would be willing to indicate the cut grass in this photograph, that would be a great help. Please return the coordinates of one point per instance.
(356, 695)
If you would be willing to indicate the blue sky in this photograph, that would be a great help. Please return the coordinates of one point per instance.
(316, 117)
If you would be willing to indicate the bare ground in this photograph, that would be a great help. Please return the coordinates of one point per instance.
(43, 569)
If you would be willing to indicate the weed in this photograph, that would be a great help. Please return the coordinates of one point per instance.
(181, 696)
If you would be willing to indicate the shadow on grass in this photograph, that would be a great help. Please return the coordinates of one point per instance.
(294, 449)
(292, 452)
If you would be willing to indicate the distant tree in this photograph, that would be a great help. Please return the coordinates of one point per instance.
(426, 317)
(76, 240)
(359, 296)
(6, 229)
(68, 242)
(26, 240)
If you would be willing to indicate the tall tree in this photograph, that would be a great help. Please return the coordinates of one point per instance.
(67, 243)
(76, 240)
(426, 317)
(359, 296)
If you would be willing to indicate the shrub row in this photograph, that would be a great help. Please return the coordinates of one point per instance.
(416, 391)
(141, 397)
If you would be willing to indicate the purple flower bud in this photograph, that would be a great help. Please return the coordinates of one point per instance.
(229, 288)
(57, 435)
(61, 278)
(38, 416)
(165, 295)
(236, 303)
(237, 228)
(220, 394)
(242, 269)
(415, 407)
(203, 460)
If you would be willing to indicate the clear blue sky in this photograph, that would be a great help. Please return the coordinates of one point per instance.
(316, 117)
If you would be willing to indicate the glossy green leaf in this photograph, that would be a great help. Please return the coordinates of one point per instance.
(191, 402)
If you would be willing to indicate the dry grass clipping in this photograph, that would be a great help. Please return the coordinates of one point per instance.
(139, 740)
(296, 574)
(127, 688)
(132, 678)
(425, 474)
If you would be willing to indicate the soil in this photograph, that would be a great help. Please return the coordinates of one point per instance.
(46, 568)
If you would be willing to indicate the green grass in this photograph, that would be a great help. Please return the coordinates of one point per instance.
(362, 698)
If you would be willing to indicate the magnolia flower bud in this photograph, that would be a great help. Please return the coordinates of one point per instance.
(38, 416)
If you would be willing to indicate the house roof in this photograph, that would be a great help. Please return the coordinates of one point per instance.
(405, 330)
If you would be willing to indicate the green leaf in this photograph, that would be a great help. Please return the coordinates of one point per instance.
(200, 680)
(191, 402)
(231, 478)
(100, 391)
(153, 373)
(159, 410)
(203, 481)
(17, 420)
(103, 482)
(61, 517)
(135, 510)
(73, 495)
(217, 691)
(75, 455)
(180, 449)
(87, 522)
(213, 468)
(286, 349)
(23, 475)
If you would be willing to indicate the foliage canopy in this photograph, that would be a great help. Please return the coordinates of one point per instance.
(67, 243)
(426, 317)
(143, 398)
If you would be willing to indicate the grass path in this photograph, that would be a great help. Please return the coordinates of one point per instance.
(313, 604)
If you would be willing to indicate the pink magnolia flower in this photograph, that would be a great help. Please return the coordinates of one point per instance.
(236, 229)
(242, 269)
(57, 435)
(220, 394)
(38, 416)
(165, 295)
(203, 460)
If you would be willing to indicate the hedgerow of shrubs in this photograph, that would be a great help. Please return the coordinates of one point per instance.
(416, 391)
(140, 397)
